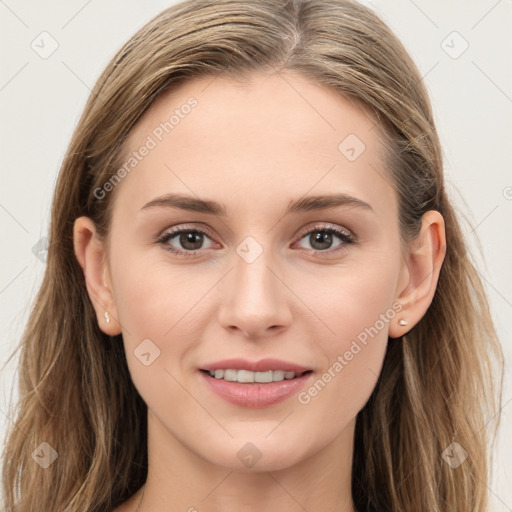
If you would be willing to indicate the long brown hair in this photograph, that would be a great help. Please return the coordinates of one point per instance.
(436, 386)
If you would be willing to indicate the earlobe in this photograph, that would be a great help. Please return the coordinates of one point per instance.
(424, 260)
(90, 253)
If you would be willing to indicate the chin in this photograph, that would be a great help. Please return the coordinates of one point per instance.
(252, 456)
(276, 462)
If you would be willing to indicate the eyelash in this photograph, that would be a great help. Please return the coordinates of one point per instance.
(345, 236)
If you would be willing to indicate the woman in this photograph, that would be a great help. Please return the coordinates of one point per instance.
(257, 293)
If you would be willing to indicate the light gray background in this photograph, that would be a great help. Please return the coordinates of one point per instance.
(41, 100)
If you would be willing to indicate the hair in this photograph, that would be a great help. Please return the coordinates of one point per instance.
(436, 385)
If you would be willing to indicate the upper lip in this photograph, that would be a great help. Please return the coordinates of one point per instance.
(262, 365)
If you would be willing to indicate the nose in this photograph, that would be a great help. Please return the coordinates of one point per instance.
(255, 298)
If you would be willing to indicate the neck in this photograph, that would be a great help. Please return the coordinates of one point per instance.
(180, 480)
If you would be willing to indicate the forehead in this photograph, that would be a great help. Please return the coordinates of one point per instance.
(286, 104)
(270, 133)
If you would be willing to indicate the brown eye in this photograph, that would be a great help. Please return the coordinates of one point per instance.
(190, 241)
(322, 238)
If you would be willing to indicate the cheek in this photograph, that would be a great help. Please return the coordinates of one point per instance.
(154, 307)
(352, 298)
(357, 309)
(152, 297)
(341, 390)
(352, 364)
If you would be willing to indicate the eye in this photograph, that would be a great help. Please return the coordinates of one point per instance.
(321, 238)
(191, 240)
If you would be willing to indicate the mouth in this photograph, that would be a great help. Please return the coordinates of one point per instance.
(248, 389)
(249, 377)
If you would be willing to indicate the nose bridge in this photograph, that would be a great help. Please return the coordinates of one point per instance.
(253, 281)
(254, 297)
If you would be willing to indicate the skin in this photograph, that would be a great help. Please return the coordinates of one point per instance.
(255, 147)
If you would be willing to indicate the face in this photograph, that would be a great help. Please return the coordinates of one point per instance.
(267, 275)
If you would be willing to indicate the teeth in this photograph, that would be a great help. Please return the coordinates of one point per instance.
(245, 376)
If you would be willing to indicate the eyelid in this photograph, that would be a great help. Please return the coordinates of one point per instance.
(325, 226)
(318, 225)
(185, 227)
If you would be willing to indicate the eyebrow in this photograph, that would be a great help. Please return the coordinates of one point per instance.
(304, 204)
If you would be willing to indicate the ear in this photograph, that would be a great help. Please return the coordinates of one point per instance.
(421, 268)
(91, 255)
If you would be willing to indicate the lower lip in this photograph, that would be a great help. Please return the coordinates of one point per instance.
(255, 395)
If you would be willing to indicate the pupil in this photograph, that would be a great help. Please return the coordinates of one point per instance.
(190, 237)
(322, 237)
